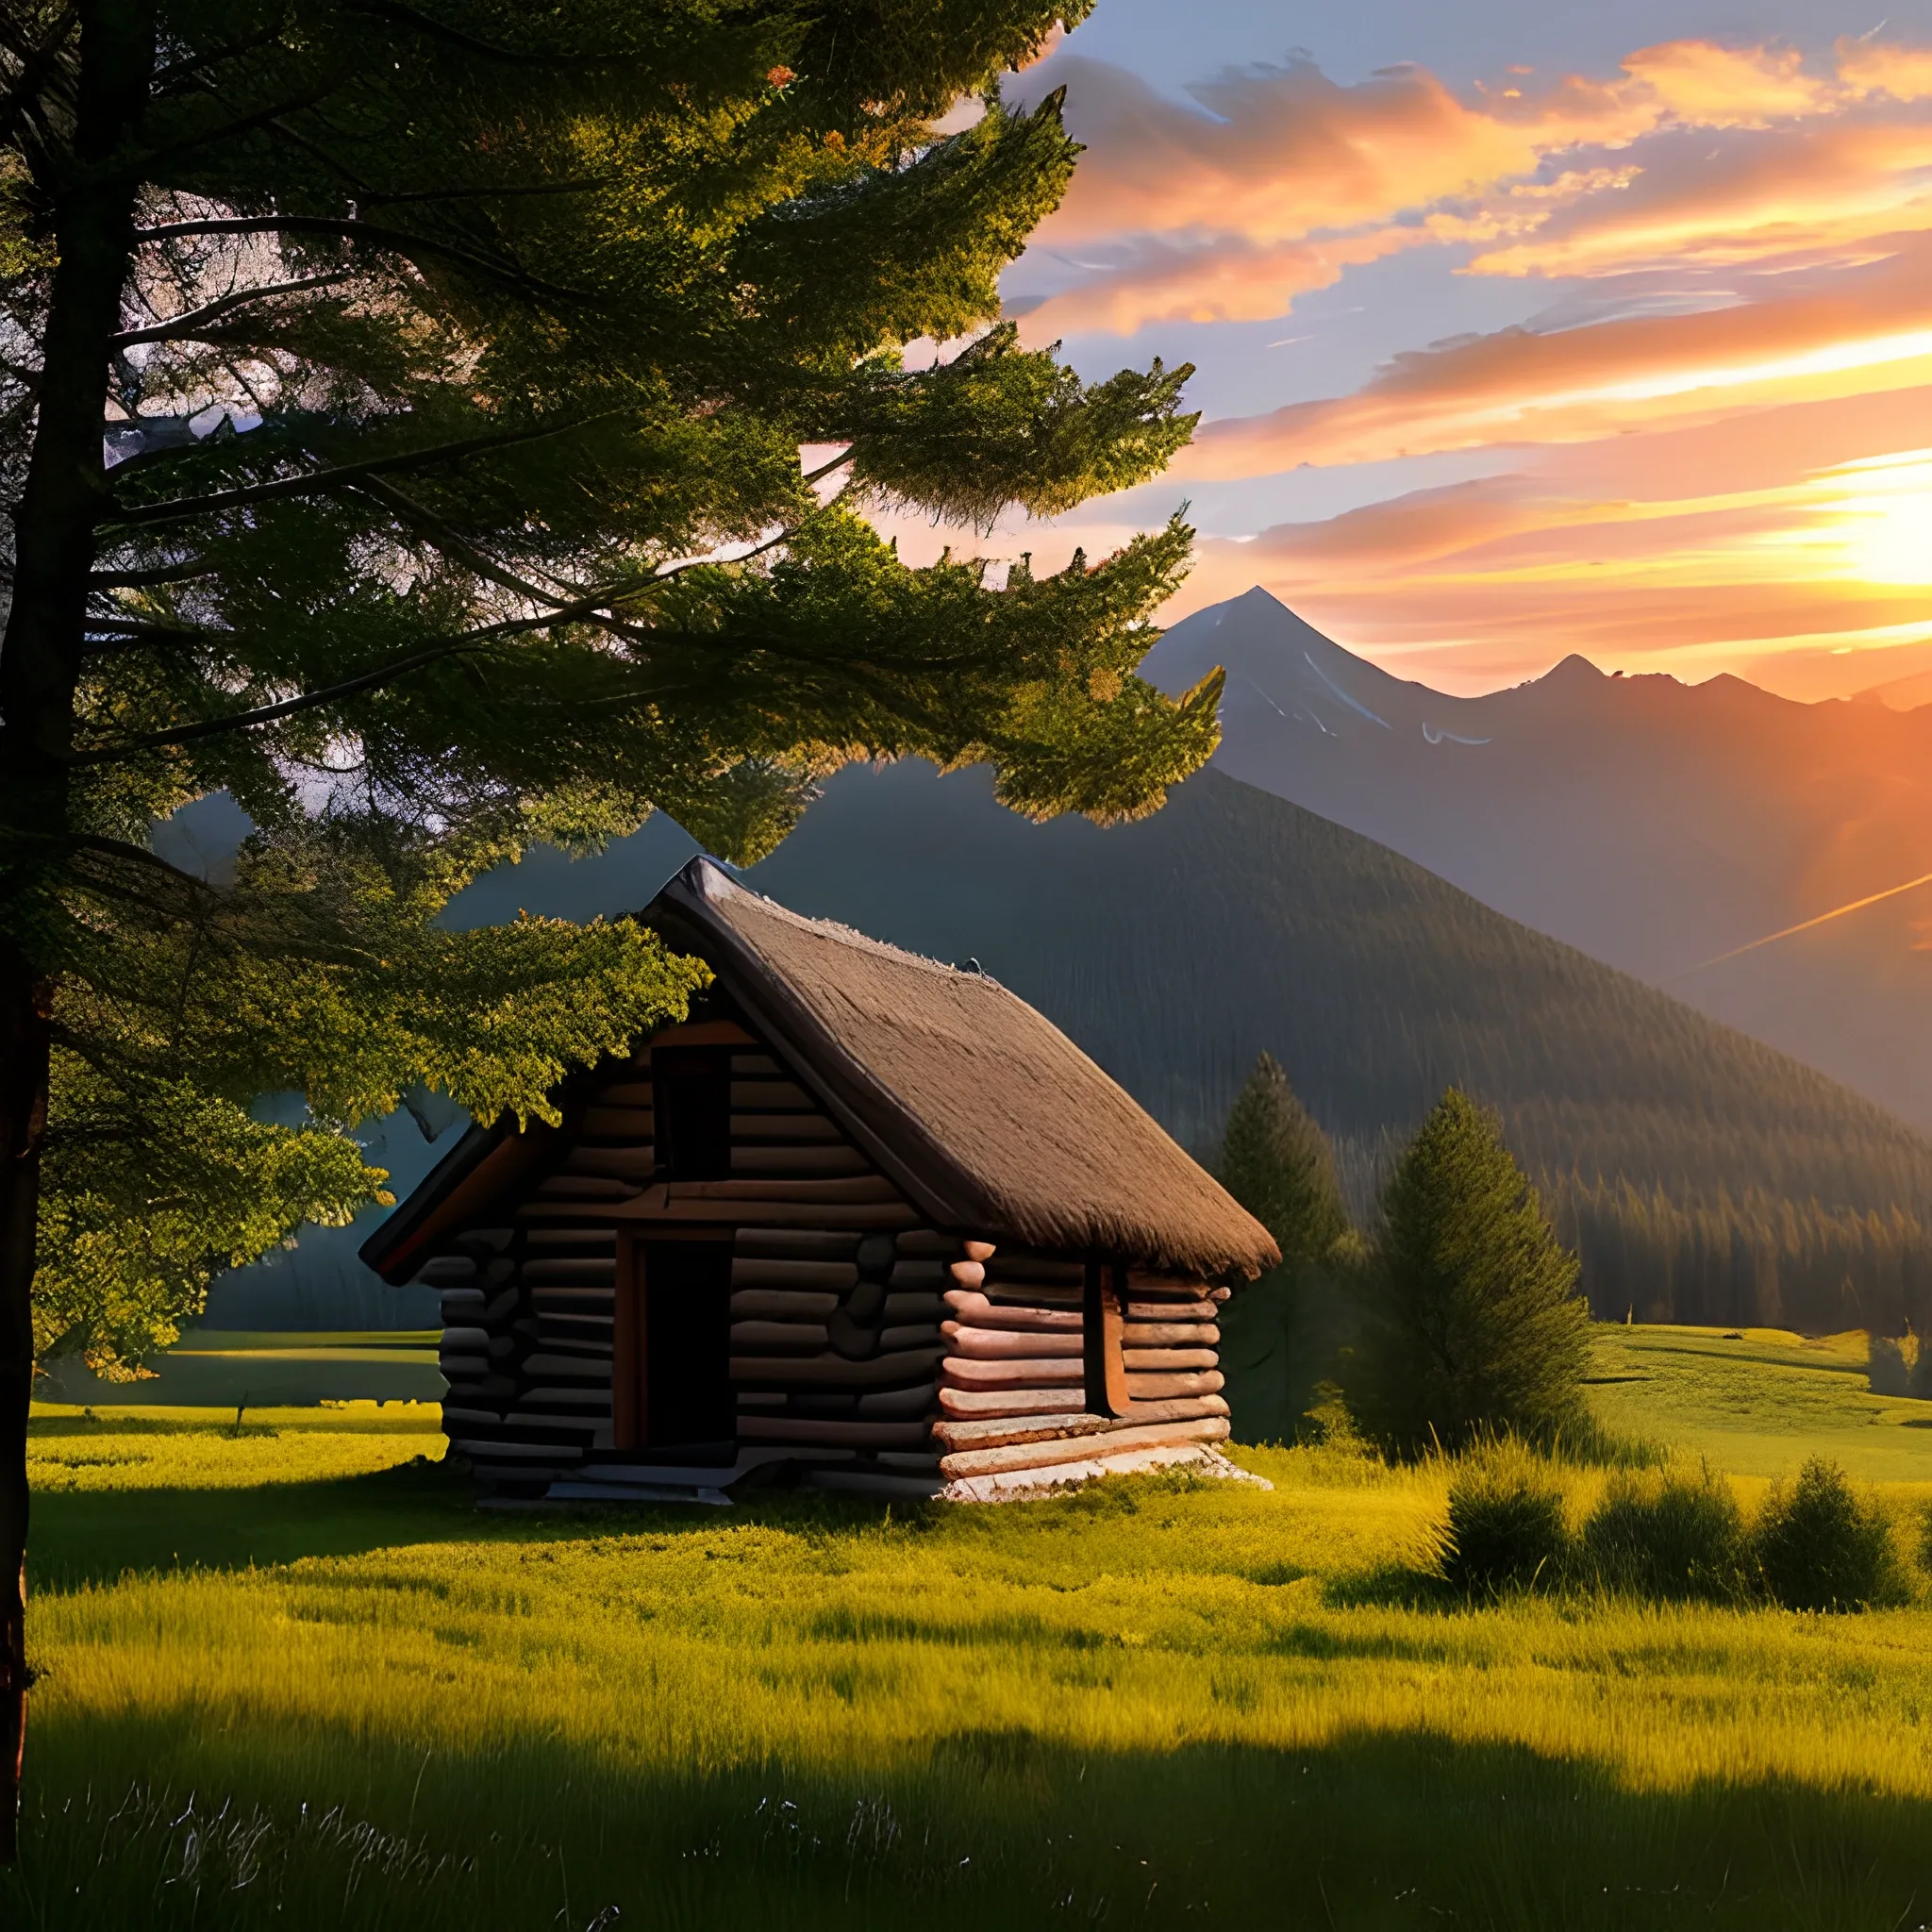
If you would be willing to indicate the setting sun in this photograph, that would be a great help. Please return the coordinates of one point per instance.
(1886, 528)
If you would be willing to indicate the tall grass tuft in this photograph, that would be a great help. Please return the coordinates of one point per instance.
(1675, 1536)
(1818, 1546)
(1506, 1524)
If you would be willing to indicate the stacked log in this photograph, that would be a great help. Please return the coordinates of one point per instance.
(835, 1343)
(527, 1336)
(1013, 1390)
(1170, 1343)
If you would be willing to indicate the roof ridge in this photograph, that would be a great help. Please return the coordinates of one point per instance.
(834, 929)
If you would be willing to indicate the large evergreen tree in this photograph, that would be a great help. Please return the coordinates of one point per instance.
(380, 382)
(1472, 1321)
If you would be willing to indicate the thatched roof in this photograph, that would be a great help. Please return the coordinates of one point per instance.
(988, 1115)
(991, 1120)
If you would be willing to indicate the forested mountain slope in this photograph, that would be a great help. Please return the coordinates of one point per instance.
(1653, 824)
(1176, 949)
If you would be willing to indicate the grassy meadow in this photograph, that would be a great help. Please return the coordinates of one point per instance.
(292, 1677)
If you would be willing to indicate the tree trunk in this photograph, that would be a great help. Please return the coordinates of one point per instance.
(60, 507)
(23, 1001)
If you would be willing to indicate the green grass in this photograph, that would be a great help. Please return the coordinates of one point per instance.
(294, 1677)
(1757, 1401)
(219, 1368)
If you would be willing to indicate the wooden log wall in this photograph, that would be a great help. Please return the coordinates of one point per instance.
(911, 1356)
(1013, 1386)
(835, 1294)
(528, 1302)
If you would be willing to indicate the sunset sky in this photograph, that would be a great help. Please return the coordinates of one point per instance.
(1520, 328)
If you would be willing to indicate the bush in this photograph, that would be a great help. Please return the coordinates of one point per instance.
(1673, 1537)
(1817, 1547)
(1507, 1529)
(1472, 1322)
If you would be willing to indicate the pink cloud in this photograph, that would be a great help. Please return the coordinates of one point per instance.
(1273, 153)
(1820, 192)
(1228, 280)
(1573, 176)
(1579, 384)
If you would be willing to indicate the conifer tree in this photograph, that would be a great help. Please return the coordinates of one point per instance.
(382, 383)
(1277, 1163)
(1472, 1321)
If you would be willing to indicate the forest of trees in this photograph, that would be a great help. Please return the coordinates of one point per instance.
(1747, 1258)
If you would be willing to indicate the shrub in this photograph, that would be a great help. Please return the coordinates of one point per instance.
(1507, 1529)
(1472, 1324)
(1816, 1546)
(1672, 1536)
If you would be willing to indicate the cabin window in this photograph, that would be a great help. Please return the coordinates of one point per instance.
(671, 1349)
(1104, 1313)
(691, 1107)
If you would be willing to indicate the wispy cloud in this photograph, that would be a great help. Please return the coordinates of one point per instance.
(1709, 429)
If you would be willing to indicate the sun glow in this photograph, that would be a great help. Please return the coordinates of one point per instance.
(1884, 523)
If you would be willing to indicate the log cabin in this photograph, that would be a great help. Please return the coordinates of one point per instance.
(862, 1219)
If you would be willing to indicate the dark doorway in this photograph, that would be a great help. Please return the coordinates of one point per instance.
(672, 1351)
(692, 1109)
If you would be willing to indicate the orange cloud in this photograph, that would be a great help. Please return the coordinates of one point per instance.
(1224, 281)
(1576, 177)
(1704, 85)
(1804, 560)
(1578, 384)
(1819, 192)
(1877, 67)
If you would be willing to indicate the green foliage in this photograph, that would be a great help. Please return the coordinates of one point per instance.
(1277, 1163)
(456, 380)
(1817, 1545)
(1472, 1319)
(1508, 1529)
(1669, 1536)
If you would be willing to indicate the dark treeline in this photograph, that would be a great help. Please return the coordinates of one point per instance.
(1745, 1260)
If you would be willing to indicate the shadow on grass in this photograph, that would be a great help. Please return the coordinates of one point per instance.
(94, 1536)
(310, 1828)
(97, 1536)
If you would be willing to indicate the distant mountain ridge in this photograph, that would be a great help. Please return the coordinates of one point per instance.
(1654, 825)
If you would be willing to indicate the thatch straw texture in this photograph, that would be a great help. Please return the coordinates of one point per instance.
(989, 1116)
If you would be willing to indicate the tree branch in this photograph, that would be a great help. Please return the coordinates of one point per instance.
(34, 62)
(324, 481)
(784, 536)
(453, 544)
(215, 56)
(334, 694)
(241, 124)
(587, 186)
(397, 240)
(440, 30)
(177, 327)
(141, 579)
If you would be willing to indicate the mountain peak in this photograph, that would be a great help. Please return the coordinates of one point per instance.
(1574, 670)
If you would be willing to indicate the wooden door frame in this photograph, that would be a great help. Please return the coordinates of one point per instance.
(631, 1376)
(1104, 1309)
